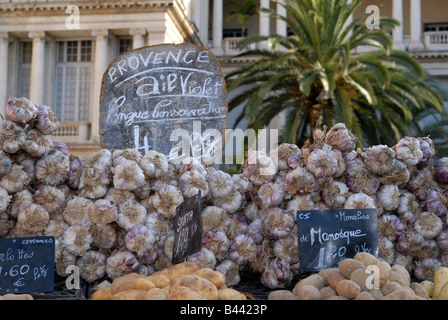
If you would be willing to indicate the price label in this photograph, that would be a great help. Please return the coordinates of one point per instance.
(325, 237)
(27, 264)
(187, 229)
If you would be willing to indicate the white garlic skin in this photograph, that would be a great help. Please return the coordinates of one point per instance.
(20, 110)
(428, 224)
(139, 239)
(33, 218)
(204, 258)
(359, 201)
(121, 263)
(220, 183)
(166, 200)
(271, 195)
(77, 239)
(277, 223)
(231, 271)
(128, 175)
(5, 199)
(92, 265)
(130, 214)
(408, 150)
(15, 180)
(243, 249)
(321, 163)
(389, 197)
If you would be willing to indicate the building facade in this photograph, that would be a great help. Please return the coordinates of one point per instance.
(55, 52)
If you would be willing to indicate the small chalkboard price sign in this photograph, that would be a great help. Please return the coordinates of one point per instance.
(325, 237)
(27, 264)
(165, 98)
(187, 229)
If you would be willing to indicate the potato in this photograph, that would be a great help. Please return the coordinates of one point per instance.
(334, 277)
(400, 294)
(160, 280)
(443, 293)
(216, 277)
(180, 269)
(231, 294)
(156, 294)
(399, 274)
(348, 288)
(12, 296)
(201, 285)
(308, 292)
(429, 286)
(185, 293)
(376, 293)
(440, 278)
(364, 295)
(324, 274)
(314, 280)
(384, 270)
(144, 284)
(366, 258)
(390, 287)
(167, 289)
(327, 292)
(361, 277)
(124, 283)
(102, 294)
(281, 295)
(419, 290)
(129, 295)
(348, 265)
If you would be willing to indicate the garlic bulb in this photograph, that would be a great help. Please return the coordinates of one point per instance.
(430, 249)
(428, 150)
(92, 265)
(243, 249)
(282, 153)
(230, 202)
(420, 183)
(75, 172)
(12, 137)
(231, 271)
(15, 180)
(93, 184)
(5, 163)
(130, 214)
(139, 239)
(20, 110)
(100, 160)
(286, 249)
(408, 208)
(277, 223)
(409, 242)
(254, 230)
(5, 199)
(442, 240)
(360, 179)
(166, 200)
(6, 225)
(380, 159)
(321, 163)
(437, 202)
(406, 261)
(220, 183)
(428, 224)
(441, 170)
(121, 263)
(359, 201)
(242, 183)
(117, 196)
(398, 175)
(214, 218)
(50, 198)
(154, 164)
(237, 224)
(53, 169)
(103, 212)
(389, 196)
(386, 250)
(408, 150)
(19, 201)
(56, 227)
(28, 164)
(37, 144)
(65, 259)
(341, 138)
(128, 154)
(128, 175)
(277, 274)
(217, 242)
(300, 202)
(425, 268)
(105, 236)
(77, 239)
(334, 194)
(389, 226)
(191, 182)
(204, 258)
(76, 210)
(258, 167)
(33, 218)
(300, 180)
(270, 194)
(46, 120)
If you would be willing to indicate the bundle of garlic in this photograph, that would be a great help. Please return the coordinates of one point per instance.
(112, 212)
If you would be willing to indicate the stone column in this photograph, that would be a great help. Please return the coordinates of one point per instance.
(101, 63)
(350, 19)
(416, 26)
(397, 35)
(138, 37)
(37, 79)
(281, 25)
(4, 42)
(155, 36)
(217, 27)
(264, 23)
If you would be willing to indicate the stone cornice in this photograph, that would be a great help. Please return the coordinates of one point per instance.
(83, 5)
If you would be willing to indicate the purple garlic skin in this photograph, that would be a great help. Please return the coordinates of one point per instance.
(441, 170)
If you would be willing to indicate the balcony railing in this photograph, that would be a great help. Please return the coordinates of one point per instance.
(436, 40)
(230, 46)
(72, 132)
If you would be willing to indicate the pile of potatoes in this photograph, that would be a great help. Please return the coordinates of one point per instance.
(350, 281)
(12, 296)
(438, 288)
(182, 281)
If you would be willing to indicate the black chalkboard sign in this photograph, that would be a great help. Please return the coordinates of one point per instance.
(27, 264)
(187, 229)
(170, 98)
(325, 237)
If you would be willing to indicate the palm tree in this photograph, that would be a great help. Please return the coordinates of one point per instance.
(243, 11)
(315, 78)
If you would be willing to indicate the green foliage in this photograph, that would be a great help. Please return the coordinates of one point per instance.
(314, 76)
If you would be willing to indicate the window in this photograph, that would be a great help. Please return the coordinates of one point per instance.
(74, 73)
(26, 49)
(233, 33)
(434, 27)
(124, 44)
